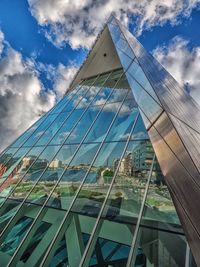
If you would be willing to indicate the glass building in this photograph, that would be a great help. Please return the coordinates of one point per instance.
(110, 175)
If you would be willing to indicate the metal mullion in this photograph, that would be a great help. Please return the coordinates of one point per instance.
(67, 215)
(35, 161)
(83, 181)
(98, 220)
(79, 145)
(58, 152)
(131, 259)
(71, 97)
(48, 144)
(152, 126)
(36, 130)
(36, 157)
(49, 140)
(144, 89)
(151, 82)
(17, 148)
(119, 25)
(27, 130)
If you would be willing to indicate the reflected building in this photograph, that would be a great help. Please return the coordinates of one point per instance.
(55, 164)
(142, 161)
(124, 165)
(103, 178)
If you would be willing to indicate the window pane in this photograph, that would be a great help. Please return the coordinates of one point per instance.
(64, 132)
(160, 248)
(34, 172)
(51, 131)
(16, 176)
(84, 124)
(40, 130)
(73, 175)
(145, 102)
(29, 132)
(14, 164)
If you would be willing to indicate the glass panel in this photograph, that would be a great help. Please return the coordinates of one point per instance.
(35, 247)
(125, 60)
(158, 248)
(34, 172)
(159, 208)
(52, 130)
(35, 240)
(136, 72)
(15, 236)
(29, 132)
(83, 125)
(115, 32)
(7, 212)
(140, 132)
(126, 196)
(73, 175)
(66, 100)
(48, 179)
(72, 101)
(123, 123)
(98, 132)
(65, 130)
(122, 206)
(111, 249)
(120, 90)
(5, 157)
(60, 105)
(25, 164)
(93, 192)
(145, 102)
(14, 164)
(81, 99)
(60, 257)
(40, 130)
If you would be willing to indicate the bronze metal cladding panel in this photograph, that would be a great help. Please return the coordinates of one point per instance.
(192, 143)
(183, 189)
(175, 136)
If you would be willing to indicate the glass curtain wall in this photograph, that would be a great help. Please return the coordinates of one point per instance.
(73, 186)
(82, 186)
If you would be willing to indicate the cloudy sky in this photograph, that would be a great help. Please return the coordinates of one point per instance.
(43, 42)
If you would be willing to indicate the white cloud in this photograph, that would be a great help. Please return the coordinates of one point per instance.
(1, 42)
(78, 22)
(63, 78)
(22, 96)
(183, 63)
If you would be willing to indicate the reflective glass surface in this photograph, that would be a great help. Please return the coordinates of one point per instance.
(82, 186)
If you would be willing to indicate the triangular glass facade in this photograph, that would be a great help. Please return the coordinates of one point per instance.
(83, 186)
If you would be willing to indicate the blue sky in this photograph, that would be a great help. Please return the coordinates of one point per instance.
(42, 43)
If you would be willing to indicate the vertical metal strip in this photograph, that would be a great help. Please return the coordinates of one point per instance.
(88, 250)
(58, 233)
(44, 169)
(40, 212)
(131, 259)
(35, 131)
(49, 252)
(1, 210)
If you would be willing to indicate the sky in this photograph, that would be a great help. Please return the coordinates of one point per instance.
(43, 43)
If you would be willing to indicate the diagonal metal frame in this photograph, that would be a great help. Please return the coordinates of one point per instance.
(41, 212)
(64, 225)
(97, 227)
(132, 253)
(1, 206)
(47, 116)
(1, 209)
